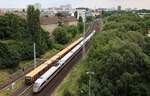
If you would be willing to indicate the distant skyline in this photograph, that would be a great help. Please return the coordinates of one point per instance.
(140, 4)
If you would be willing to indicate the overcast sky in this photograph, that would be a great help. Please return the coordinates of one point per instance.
(77, 3)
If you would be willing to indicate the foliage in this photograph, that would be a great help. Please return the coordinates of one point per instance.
(80, 19)
(80, 27)
(63, 34)
(59, 14)
(125, 22)
(119, 57)
(76, 14)
(11, 24)
(89, 18)
(23, 33)
(9, 55)
(17, 36)
(73, 30)
(60, 35)
(120, 65)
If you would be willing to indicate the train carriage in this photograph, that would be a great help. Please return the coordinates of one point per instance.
(33, 75)
(41, 82)
(37, 72)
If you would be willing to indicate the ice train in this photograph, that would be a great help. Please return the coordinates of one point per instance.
(32, 76)
(49, 75)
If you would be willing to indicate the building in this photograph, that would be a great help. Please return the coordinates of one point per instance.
(96, 12)
(1, 13)
(47, 12)
(119, 8)
(128, 9)
(83, 12)
(66, 7)
(50, 23)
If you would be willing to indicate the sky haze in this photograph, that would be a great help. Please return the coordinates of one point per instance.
(77, 3)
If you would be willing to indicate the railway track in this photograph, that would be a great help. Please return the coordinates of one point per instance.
(12, 80)
(54, 83)
(21, 90)
(59, 77)
(50, 87)
(16, 79)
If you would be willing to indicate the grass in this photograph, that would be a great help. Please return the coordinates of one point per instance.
(9, 90)
(70, 83)
(7, 41)
(25, 64)
(8, 73)
(4, 75)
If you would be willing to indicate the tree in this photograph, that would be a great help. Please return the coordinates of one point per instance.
(76, 14)
(59, 14)
(17, 36)
(89, 18)
(37, 33)
(80, 27)
(10, 56)
(73, 30)
(33, 21)
(80, 19)
(119, 56)
(61, 36)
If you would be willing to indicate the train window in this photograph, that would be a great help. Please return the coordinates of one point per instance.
(41, 77)
(28, 80)
(57, 64)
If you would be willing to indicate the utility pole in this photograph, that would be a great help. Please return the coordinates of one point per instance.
(90, 77)
(101, 19)
(84, 20)
(34, 48)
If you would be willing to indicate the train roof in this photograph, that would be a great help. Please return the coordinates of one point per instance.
(54, 58)
(45, 76)
(37, 70)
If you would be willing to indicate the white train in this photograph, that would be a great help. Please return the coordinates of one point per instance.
(47, 76)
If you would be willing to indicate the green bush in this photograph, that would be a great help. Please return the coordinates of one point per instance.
(80, 27)
(10, 55)
(73, 30)
(61, 36)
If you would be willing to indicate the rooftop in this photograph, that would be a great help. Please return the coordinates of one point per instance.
(55, 20)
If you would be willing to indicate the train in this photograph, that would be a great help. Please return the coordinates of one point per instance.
(44, 79)
(37, 72)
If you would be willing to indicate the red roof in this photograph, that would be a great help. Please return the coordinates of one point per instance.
(2, 14)
(49, 20)
(55, 20)
(70, 19)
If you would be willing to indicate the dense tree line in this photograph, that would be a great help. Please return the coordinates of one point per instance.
(12, 24)
(120, 59)
(17, 36)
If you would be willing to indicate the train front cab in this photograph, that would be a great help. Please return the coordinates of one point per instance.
(28, 80)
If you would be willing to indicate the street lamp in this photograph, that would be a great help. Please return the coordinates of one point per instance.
(90, 73)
